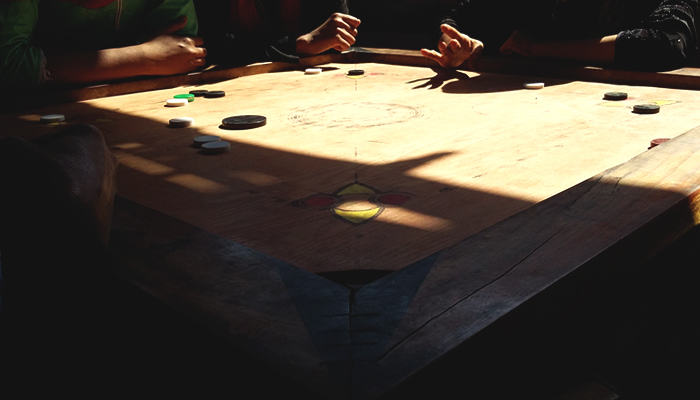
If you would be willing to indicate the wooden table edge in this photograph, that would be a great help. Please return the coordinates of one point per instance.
(663, 212)
(684, 78)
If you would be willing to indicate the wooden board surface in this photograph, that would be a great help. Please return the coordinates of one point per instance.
(683, 78)
(414, 160)
(530, 201)
(514, 277)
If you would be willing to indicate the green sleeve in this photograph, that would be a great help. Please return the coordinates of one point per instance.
(21, 64)
(167, 12)
(192, 26)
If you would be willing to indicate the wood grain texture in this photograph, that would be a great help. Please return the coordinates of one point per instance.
(684, 78)
(551, 255)
(468, 149)
(604, 226)
(522, 203)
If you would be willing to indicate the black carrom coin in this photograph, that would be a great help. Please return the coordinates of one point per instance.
(239, 122)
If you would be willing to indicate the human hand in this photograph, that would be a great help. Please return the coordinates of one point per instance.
(455, 48)
(338, 32)
(521, 43)
(168, 54)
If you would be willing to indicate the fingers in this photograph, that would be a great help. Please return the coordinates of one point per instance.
(199, 57)
(342, 40)
(195, 44)
(450, 31)
(345, 36)
(434, 55)
(345, 25)
(172, 54)
(455, 45)
(455, 48)
(431, 54)
(343, 43)
(352, 31)
(190, 45)
(348, 19)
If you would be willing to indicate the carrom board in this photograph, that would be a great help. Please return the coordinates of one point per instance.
(467, 192)
(375, 172)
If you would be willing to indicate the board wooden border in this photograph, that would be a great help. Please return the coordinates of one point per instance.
(542, 260)
(684, 78)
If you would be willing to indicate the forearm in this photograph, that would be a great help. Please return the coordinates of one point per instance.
(96, 66)
(599, 51)
(164, 55)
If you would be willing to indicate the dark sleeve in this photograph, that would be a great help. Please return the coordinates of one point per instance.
(666, 40)
(484, 20)
(493, 21)
(315, 12)
(228, 49)
(449, 17)
(225, 48)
